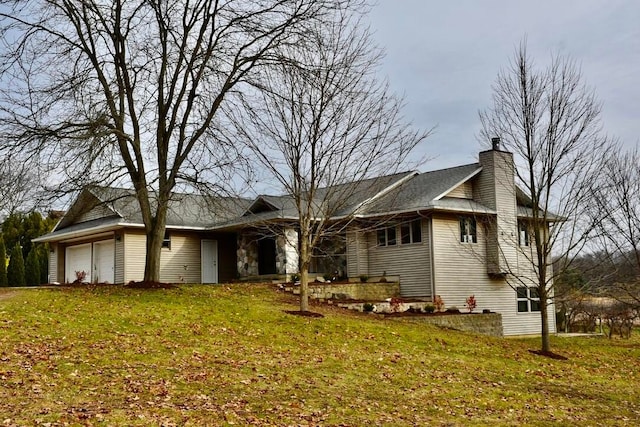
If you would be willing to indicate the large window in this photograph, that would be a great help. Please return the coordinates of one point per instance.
(528, 299)
(523, 234)
(410, 232)
(468, 233)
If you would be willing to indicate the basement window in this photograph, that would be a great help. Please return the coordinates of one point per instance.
(528, 299)
(166, 241)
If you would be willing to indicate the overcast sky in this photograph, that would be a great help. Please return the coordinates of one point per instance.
(443, 56)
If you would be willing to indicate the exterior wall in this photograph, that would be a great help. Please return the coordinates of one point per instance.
(463, 191)
(357, 254)
(53, 263)
(485, 324)
(178, 264)
(247, 255)
(460, 272)
(411, 262)
(361, 291)
(119, 259)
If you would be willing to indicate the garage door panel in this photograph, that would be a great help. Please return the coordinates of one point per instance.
(78, 259)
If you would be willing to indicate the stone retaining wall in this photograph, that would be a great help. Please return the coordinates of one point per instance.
(486, 324)
(363, 291)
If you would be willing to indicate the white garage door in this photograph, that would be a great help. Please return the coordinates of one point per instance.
(103, 261)
(77, 260)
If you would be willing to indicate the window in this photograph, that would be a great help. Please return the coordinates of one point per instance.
(166, 241)
(387, 236)
(523, 234)
(528, 299)
(410, 232)
(468, 230)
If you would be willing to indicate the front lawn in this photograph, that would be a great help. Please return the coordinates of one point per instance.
(223, 355)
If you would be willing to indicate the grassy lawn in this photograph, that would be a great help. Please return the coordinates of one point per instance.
(219, 355)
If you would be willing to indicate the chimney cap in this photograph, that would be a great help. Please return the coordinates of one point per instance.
(495, 143)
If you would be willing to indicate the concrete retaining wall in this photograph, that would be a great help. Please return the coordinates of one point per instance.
(486, 324)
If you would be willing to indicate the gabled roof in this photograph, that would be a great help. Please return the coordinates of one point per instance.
(118, 207)
(427, 191)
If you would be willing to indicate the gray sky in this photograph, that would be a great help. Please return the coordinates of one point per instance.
(443, 56)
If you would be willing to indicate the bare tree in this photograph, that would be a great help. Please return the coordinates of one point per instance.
(550, 120)
(19, 188)
(617, 208)
(130, 91)
(323, 127)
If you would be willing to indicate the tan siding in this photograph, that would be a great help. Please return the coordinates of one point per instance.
(410, 262)
(135, 248)
(462, 191)
(181, 263)
(460, 272)
(357, 254)
(53, 262)
(100, 211)
(119, 261)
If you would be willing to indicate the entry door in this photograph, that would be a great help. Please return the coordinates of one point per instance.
(209, 261)
(103, 261)
(267, 256)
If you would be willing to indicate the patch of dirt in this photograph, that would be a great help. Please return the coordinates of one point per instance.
(150, 285)
(549, 354)
(303, 313)
(6, 295)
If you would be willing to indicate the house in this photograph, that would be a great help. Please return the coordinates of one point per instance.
(454, 232)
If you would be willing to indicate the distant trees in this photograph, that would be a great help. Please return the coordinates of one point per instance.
(4, 281)
(18, 230)
(549, 119)
(15, 271)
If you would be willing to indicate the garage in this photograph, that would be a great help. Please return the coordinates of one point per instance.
(77, 260)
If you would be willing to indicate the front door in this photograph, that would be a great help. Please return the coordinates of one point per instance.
(209, 261)
(267, 256)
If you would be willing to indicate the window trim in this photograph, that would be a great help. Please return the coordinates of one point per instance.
(393, 234)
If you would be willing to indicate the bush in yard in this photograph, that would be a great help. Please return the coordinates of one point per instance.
(438, 303)
(429, 308)
(43, 257)
(471, 303)
(15, 271)
(368, 307)
(32, 268)
(3, 264)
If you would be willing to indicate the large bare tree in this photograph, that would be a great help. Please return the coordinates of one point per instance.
(130, 91)
(550, 121)
(323, 126)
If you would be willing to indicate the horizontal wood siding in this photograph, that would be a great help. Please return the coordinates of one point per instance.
(53, 263)
(462, 191)
(100, 211)
(460, 271)
(181, 263)
(410, 262)
(135, 249)
(357, 254)
(119, 261)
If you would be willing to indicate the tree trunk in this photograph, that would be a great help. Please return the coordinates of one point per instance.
(546, 345)
(155, 237)
(304, 288)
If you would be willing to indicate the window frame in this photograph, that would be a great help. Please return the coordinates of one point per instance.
(527, 299)
(468, 227)
(396, 235)
(166, 240)
(524, 237)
